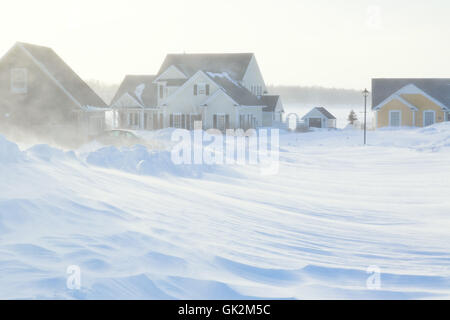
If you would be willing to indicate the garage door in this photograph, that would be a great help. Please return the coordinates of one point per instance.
(315, 122)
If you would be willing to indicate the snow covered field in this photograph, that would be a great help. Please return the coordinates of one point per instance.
(140, 227)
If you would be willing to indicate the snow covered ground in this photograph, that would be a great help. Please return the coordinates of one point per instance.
(140, 227)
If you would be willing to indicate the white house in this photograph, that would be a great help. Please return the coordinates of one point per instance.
(224, 91)
(319, 118)
(273, 112)
(135, 104)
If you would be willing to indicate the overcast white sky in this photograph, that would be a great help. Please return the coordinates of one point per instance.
(335, 43)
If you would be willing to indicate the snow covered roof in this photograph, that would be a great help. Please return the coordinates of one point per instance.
(236, 91)
(140, 87)
(438, 89)
(322, 111)
(235, 64)
(63, 76)
(270, 102)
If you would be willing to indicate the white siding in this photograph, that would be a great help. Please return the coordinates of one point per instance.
(253, 76)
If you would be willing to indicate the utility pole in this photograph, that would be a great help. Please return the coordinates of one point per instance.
(366, 94)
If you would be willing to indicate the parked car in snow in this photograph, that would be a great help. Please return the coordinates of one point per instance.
(120, 138)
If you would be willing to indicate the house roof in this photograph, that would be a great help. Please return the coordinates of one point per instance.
(236, 91)
(270, 102)
(140, 87)
(175, 82)
(439, 89)
(326, 113)
(63, 75)
(235, 64)
(323, 111)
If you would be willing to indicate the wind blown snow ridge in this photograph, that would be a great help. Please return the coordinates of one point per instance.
(141, 228)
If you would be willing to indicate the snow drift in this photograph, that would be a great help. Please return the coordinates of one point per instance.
(312, 231)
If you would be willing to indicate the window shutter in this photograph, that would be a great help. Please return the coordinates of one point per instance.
(161, 92)
(183, 123)
(215, 121)
(195, 89)
(171, 120)
(227, 121)
(207, 89)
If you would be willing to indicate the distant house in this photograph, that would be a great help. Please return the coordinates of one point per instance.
(41, 95)
(135, 104)
(410, 102)
(319, 118)
(273, 112)
(224, 91)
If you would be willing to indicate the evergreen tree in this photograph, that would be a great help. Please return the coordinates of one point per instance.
(352, 118)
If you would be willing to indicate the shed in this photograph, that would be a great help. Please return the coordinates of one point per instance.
(319, 118)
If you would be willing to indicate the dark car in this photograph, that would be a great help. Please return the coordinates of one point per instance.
(119, 138)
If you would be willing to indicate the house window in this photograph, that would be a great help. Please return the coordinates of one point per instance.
(133, 119)
(176, 120)
(221, 121)
(256, 89)
(395, 118)
(190, 120)
(136, 119)
(201, 89)
(19, 80)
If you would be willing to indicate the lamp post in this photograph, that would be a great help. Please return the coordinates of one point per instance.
(366, 94)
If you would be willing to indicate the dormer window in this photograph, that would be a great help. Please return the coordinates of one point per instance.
(201, 89)
(19, 80)
(256, 89)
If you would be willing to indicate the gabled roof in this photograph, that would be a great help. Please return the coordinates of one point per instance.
(140, 87)
(63, 76)
(237, 92)
(439, 89)
(235, 64)
(408, 89)
(326, 113)
(270, 102)
(323, 111)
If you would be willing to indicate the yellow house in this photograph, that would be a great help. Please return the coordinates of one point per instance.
(410, 102)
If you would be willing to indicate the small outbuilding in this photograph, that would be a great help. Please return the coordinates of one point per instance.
(319, 118)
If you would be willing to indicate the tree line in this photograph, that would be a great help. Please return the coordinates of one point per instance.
(320, 96)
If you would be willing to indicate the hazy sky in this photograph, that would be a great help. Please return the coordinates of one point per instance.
(315, 42)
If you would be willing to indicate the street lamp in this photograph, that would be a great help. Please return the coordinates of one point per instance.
(365, 94)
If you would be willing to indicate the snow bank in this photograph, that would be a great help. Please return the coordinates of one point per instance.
(9, 151)
(310, 232)
(138, 159)
(47, 153)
